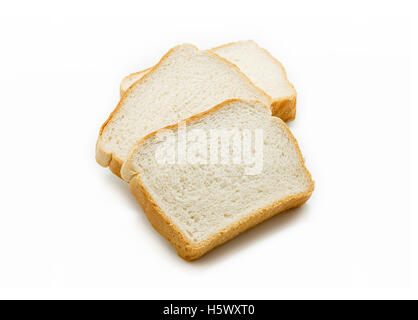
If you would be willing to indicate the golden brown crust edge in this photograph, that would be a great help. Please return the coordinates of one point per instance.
(179, 241)
(285, 108)
(107, 159)
(123, 88)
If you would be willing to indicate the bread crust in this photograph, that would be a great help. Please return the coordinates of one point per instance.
(122, 90)
(162, 223)
(105, 158)
(108, 160)
(284, 108)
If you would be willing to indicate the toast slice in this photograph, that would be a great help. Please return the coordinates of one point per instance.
(265, 71)
(198, 205)
(185, 82)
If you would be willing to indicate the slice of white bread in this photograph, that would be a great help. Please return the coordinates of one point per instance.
(199, 206)
(259, 66)
(185, 82)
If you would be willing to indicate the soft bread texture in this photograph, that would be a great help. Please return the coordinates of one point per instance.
(198, 207)
(185, 82)
(260, 67)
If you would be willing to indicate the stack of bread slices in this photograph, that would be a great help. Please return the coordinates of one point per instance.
(159, 139)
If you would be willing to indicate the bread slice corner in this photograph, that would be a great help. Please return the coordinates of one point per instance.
(130, 79)
(266, 72)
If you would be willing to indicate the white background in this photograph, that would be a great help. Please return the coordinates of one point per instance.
(71, 229)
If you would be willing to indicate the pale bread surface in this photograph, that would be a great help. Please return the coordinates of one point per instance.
(185, 82)
(265, 71)
(198, 207)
